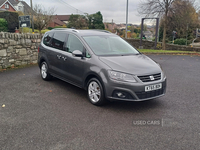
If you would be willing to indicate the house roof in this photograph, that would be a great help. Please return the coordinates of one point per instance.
(57, 21)
(62, 17)
(2, 2)
(13, 2)
(27, 8)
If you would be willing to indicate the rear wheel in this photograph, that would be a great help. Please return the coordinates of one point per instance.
(95, 92)
(44, 71)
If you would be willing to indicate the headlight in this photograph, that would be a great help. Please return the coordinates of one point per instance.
(163, 73)
(121, 76)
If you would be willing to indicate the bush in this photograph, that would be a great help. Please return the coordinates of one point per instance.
(12, 20)
(50, 28)
(25, 30)
(180, 41)
(43, 31)
(60, 27)
(3, 25)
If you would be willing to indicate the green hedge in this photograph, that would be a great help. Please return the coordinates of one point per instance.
(180, 41)
(12, 20)
(3, 25)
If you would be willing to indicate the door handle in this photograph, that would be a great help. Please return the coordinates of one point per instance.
(64, 58)
(58, 56)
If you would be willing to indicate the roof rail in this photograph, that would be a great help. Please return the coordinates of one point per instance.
(74, 30)
(60, 29)
(106, 31)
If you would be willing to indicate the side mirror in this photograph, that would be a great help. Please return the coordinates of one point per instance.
(77, 53)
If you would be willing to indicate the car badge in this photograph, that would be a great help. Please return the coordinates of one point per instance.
(151, 77)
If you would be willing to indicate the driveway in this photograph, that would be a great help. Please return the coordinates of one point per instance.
(55, 115)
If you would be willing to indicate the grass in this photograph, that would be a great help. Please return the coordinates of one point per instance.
(150, 51)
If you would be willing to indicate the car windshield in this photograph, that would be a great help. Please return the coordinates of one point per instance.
(109, 45)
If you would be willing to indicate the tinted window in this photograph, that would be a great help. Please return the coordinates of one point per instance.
(47, 38)
(74, 43)
(59, 40)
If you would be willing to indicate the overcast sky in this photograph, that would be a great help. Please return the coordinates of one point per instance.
(110, 9)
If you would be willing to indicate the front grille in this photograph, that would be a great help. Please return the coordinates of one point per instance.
(145, 95)
(150, 78)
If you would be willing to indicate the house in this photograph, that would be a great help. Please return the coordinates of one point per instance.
(15, 5)
(110, 26)
(56, 22)
(59, 20)
(148, 35)
(63, 18)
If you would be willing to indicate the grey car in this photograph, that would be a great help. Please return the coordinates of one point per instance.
(102, 63)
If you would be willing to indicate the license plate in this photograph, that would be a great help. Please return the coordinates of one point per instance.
(153, 87)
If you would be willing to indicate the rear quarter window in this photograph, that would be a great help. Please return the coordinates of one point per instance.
(47, 38)
(58, 40)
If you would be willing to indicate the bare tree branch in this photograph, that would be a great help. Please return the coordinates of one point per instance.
(42, 16)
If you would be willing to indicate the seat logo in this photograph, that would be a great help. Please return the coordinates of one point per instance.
(151, 78)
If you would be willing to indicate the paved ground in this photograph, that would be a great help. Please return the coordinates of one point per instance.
(54, 115)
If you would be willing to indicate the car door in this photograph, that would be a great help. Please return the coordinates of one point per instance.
(46, 48)
(56, 54)
(76, 67)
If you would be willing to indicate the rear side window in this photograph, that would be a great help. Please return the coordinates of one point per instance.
(58, 40)
(47, 38)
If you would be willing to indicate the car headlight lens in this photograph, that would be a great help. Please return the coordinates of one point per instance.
(163, 73)
(121, 76)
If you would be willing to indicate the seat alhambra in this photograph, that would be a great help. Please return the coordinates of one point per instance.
(102, 63)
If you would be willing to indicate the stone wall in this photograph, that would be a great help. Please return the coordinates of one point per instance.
(18, 49)
(150, 45)
(22, 49)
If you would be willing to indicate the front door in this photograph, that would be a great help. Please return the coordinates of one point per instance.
(76, 68)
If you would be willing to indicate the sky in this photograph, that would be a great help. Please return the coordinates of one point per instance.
(110, 9)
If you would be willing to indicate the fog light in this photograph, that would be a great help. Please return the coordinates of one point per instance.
(121, 95)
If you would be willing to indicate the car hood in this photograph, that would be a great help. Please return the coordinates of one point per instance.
(132, 64)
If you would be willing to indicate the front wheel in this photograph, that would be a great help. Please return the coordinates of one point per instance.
(44, 71)
(95, 92)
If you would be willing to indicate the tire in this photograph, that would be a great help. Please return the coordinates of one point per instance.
(95, 92)
(44, 71)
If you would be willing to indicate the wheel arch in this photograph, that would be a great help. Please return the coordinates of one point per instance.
(42, 59)
(90, 76)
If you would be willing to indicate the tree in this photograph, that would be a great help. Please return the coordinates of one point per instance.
(144, 27)
(3, 25)
(158, 8)
(163, 9)
(42, 17)
(184, 21)
(96, 21)
(78, 22)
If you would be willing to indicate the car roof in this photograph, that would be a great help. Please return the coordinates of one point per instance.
(83, 32)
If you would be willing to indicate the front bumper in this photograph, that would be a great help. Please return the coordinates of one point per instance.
(133, 91)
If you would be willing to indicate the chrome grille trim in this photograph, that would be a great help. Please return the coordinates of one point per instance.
(147, 78)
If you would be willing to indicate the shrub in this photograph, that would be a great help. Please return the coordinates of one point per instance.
(60, 27)
(50, 28)
(12, 20)
(3, 25)
(43, 31)
(25, 30)
(29, 30)
(180, 41)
